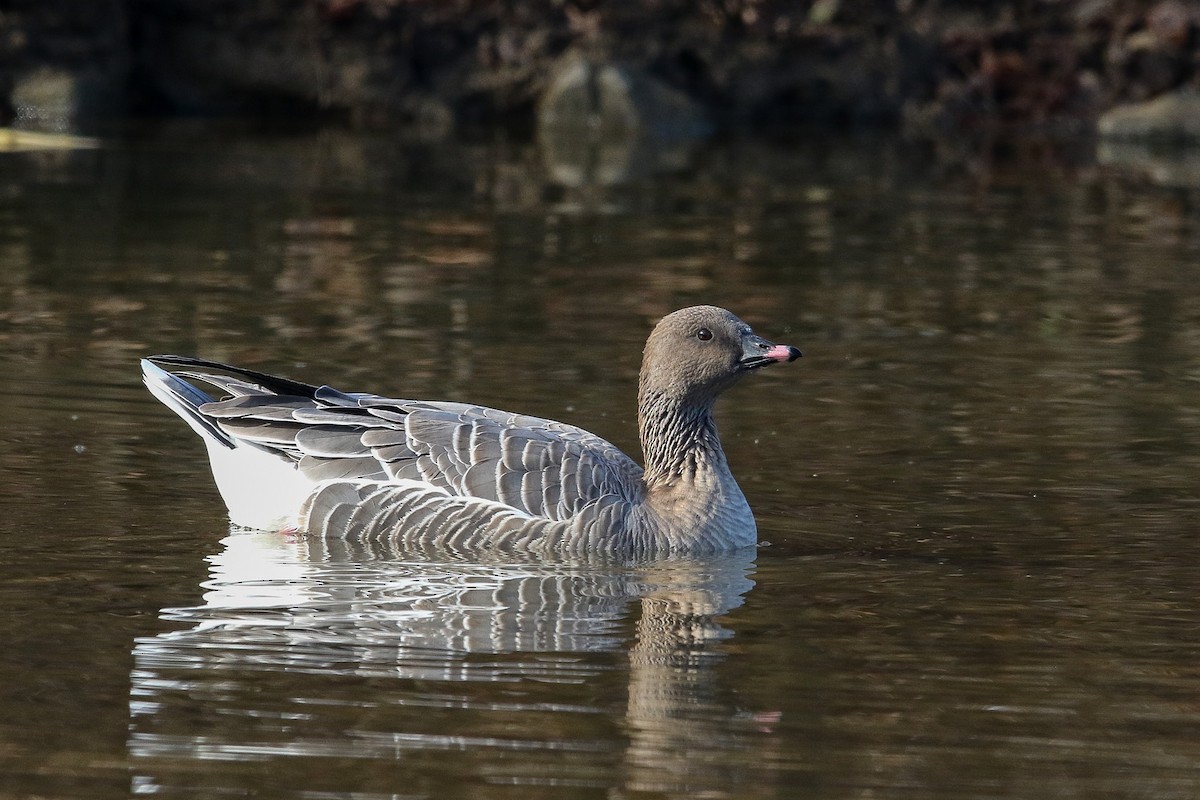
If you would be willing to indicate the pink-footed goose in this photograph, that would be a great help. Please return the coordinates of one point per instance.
(328, 463)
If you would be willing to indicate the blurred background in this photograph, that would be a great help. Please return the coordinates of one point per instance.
(931, 65)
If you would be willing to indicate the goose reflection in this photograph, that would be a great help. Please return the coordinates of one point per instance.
(423, 665)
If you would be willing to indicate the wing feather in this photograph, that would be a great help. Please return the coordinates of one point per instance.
(260, 406)
(331, 441)
(262, 431)
(316, 468)
(536, 466)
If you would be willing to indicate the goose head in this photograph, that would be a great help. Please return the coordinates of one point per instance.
(694, 354)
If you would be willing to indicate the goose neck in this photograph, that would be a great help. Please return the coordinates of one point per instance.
(679, 439)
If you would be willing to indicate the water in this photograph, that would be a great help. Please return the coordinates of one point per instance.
(978, 486)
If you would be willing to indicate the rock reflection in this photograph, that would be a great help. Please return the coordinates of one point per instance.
(418, 662)
(605, 124)
(1167, 165)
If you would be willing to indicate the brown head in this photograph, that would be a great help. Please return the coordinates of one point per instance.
(696, 353)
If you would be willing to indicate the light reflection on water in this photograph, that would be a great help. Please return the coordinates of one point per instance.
(979, 485)
(272, 664)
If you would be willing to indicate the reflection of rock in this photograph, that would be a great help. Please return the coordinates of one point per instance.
(1163, 164)
(602, 123)
(332, 648)
(1175, 115)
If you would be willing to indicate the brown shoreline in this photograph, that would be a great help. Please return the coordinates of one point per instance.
(933, 66)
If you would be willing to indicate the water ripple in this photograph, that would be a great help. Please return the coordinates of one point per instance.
(303, 651)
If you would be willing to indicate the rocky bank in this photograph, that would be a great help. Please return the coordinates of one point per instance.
(930, 64)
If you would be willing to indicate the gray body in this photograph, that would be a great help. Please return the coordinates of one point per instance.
(465, 477)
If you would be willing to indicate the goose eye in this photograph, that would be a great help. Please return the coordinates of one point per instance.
(704, 334)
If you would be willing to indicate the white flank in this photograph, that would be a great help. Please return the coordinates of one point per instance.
(261, 490)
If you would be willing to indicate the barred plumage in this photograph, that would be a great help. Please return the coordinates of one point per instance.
(461, 476)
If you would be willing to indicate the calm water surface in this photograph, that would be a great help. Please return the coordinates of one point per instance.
(979, 487)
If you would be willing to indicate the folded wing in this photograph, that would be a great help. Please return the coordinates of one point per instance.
(534, 466)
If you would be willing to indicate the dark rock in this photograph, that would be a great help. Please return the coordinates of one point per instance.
(747, 63)
(60, 100)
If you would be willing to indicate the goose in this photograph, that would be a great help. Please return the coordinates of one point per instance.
(321, 462)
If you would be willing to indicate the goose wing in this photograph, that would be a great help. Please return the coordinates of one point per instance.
(536, 466)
